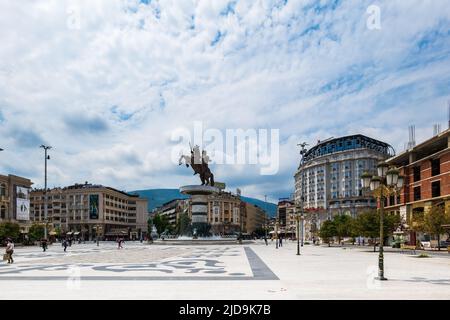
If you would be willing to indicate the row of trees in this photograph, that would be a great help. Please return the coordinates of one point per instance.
(366, 224)
(12, 230)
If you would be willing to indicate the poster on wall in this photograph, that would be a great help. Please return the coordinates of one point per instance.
(22, 203)
(93, 206)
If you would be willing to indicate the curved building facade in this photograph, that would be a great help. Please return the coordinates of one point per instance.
(329, 178)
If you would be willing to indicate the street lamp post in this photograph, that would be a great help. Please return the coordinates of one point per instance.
(387, 182)
(297, 218)
(47, 157)
(265, 215)
(276, 233)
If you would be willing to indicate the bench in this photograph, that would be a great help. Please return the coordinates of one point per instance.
(405, 247)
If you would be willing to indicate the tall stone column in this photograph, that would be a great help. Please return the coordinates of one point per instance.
(199, 200)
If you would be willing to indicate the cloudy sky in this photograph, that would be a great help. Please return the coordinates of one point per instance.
(106, 83)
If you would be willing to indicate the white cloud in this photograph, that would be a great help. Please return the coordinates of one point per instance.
(106, 96)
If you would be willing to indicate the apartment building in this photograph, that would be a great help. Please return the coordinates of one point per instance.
(85, 210)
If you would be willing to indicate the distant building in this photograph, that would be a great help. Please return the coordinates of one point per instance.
(328, 182)
(80, 209)
(286, 216)
(172, 210)
(15, 200)
(255, 217)
(426, 168)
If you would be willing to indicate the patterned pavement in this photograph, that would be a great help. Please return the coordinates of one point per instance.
(137, 262)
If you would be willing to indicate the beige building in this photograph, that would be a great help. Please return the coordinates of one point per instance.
(15, 200)
(286, 216)
(224, 211)
(80, 209)
(255, 217)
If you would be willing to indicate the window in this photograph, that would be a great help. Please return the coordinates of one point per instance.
(417, 193)
(436, 189)
(392, 200)
(416, 173)
(435, 167)
(2, 189)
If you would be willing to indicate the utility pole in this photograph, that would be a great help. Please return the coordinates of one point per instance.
(265, 214)
(47, 157)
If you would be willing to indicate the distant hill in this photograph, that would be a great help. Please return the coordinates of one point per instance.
(157, 197)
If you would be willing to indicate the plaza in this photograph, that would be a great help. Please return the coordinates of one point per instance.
(248, 271)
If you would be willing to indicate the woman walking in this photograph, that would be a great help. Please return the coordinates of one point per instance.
(9, 250)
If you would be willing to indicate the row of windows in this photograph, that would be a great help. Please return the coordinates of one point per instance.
(435, 169)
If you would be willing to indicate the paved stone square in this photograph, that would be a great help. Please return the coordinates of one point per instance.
(251, 271)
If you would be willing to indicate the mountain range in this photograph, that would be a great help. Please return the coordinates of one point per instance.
(157, 197)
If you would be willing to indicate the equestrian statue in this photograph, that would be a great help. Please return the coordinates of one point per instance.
(199, 163)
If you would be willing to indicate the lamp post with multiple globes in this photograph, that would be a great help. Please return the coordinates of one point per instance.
(386, 182)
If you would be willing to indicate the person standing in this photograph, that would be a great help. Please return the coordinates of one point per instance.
(281, 241)
(44, 245)
(9, 250)
(64, 244)
(265, 240)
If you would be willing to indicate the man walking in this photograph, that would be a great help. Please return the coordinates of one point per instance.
(280, 243)
(9, 250)
(44, 245)
(265, 240)
(64, 244)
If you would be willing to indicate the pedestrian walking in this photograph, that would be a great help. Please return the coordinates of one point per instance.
(9, 250)
(65, 244)
(44, 245)
(280, 243)
(265, 240)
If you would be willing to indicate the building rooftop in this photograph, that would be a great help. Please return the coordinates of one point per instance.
(427, 148)
(352, 142)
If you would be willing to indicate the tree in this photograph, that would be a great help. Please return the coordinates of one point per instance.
(9, 230)
(36, 232)
(434, 220)
(183, 226)
(327, 231)
(161, 223)
(367, 224)
(343, 226)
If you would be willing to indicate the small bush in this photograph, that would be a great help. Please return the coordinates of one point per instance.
(423, 255)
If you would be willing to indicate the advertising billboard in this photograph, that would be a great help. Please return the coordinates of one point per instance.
(93, 206)
(22, 203)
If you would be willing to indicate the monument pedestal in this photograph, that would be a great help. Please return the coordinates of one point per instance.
(199, 199)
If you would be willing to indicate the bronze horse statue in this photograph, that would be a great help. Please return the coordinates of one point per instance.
(199, 167)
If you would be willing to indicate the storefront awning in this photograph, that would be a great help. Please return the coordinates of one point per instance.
(69, 233)
(52, 233)
(76, 233)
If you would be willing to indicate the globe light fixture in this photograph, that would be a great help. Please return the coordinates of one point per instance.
(375, 183)
(382, 169)
(392, 177)
(365, 180)
(400, 182)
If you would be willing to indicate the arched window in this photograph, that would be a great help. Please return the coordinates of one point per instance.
(3, 212)
(2, 189)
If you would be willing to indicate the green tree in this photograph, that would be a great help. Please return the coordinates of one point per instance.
(343, 225)
(161, 223)
(327, 231)
(36, 232)
(434, 220)
(183, 226)
(9, 230)
(367, 224)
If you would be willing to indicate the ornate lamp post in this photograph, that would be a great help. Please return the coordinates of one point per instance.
(47, 157)
(297, 219)
(387, 182)
(276, 233)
